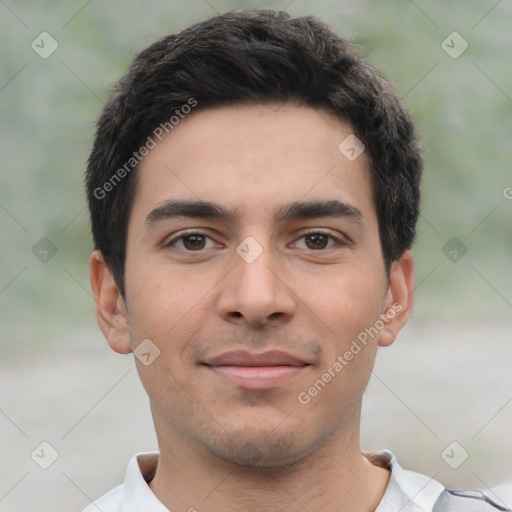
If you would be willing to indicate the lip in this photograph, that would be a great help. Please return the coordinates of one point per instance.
(243, 358)
(256, 371)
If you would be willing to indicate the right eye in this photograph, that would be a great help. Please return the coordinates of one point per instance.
(190, 241)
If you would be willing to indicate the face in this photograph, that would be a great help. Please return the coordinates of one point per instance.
(253, 264)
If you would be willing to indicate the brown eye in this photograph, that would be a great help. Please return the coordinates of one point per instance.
(193, 242)
(317, 241)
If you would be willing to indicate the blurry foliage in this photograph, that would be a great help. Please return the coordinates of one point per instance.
(48, 112)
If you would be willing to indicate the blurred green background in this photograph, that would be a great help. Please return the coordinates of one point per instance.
(448, 377)
(49, 106)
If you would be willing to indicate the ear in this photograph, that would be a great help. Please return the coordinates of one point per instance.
(399, 298)
(111, 311)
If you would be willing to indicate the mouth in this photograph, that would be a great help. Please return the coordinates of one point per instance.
(256, 371)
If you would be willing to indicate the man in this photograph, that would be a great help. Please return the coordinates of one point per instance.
(254, 190)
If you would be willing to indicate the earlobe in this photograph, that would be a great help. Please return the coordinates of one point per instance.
(399, 298)
(110, 308)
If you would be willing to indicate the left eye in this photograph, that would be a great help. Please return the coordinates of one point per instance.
(319, 241)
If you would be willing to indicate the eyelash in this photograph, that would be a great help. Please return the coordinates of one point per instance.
(185, 234)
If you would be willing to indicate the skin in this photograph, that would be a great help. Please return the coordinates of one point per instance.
(223, 446)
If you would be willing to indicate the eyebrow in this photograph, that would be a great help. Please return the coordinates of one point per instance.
(293, 211)
(313, 209)
(194, 209)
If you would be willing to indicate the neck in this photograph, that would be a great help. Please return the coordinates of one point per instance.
(335, 477)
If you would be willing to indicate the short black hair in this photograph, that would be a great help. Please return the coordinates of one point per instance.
(251, 56)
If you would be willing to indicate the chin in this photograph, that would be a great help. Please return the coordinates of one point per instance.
(264, 448)
(251, 455)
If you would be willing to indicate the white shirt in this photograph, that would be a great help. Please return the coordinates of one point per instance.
(406, 491)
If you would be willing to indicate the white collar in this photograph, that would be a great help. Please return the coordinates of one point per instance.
(406, 491)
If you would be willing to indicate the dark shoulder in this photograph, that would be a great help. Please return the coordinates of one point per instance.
(465, 501)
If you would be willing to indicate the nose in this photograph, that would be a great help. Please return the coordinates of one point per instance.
(256, 293)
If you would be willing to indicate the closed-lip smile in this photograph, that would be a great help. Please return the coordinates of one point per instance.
(248, 370)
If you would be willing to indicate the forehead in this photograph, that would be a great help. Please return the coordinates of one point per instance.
(255, 158)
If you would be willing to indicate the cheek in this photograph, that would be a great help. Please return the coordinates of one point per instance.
(163, 300)
(345, 299)
(348, 304)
